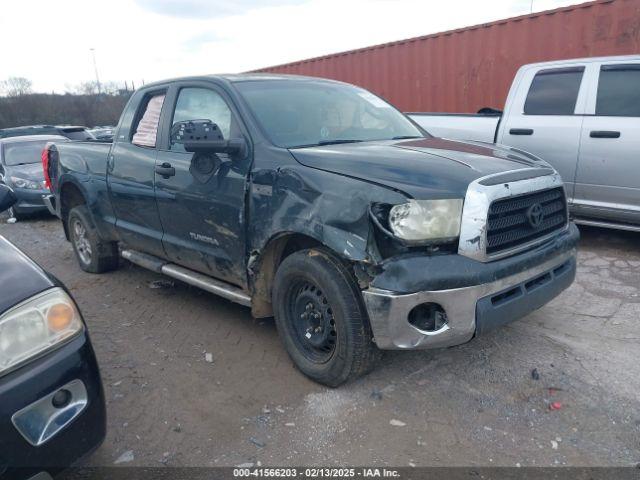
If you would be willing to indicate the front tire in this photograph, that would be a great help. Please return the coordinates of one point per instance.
(93, 254)
(321, 318)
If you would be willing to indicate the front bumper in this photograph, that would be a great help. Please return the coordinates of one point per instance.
(30, 201)
(481, 296)
(71, 364)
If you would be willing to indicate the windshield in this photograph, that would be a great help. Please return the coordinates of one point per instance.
(23, 153)
(306, 113)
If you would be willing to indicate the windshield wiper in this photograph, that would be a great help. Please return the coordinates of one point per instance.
(337, 141)
(406, 137)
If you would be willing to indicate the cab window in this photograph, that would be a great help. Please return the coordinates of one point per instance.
(619, 91)
(554, 92)
(202, 104)
(146, 130)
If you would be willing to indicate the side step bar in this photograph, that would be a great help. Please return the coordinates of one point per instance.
(185, 275)
(605, 224)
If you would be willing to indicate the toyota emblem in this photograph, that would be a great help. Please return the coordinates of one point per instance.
(535, 215)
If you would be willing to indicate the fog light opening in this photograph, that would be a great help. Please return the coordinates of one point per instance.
(428, 317)
(61, 399)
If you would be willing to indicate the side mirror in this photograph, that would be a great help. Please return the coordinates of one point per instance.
(204, 136)
(7, 198)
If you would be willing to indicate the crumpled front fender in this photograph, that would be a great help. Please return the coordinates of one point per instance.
(330, 208)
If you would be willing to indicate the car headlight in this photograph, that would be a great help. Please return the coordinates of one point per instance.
(35, 326)
(24, 183)
(426, 220)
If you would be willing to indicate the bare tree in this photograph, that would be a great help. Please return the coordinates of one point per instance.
(85, 88)
(15, 86)
(80, 105)
(91, 88)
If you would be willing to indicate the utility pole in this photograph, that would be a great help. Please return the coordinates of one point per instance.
(95, 67)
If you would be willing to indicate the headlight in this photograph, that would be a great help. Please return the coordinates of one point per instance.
(35, 326)
(425, 220)
(24, 183)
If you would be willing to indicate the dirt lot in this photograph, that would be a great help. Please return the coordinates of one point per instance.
(472, 405)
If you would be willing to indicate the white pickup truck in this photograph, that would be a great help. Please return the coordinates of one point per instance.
(583, 117)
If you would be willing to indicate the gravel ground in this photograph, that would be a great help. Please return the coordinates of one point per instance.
(193, 380)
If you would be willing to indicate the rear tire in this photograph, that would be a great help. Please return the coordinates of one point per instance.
(93, 254)
(321, 318)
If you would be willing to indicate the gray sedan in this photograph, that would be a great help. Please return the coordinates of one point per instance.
(21, 169)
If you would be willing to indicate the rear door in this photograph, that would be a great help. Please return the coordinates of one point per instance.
(131, 175)
(608, 177)
(201, 203)
(545, 117)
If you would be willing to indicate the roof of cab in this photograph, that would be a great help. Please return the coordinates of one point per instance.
(571, 61)
(243, 77)
(257, 77)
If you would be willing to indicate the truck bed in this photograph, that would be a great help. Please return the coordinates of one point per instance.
(84, 158)
(459, 126)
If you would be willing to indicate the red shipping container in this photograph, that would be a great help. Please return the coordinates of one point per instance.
(469, 68)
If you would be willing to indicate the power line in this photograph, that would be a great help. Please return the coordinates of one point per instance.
(95, 67)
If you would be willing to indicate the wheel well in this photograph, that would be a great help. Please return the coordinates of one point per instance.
(266, 265)
(70, 197)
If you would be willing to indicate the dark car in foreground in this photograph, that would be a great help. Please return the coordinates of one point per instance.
(52, 409)
(21, 169)
(71, 132)
(320, 204)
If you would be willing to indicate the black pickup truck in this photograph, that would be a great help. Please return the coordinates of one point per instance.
(320, 204)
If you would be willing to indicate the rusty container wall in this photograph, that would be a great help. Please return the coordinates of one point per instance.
(466, 69)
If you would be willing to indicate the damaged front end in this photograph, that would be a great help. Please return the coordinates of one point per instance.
(507, 262)
(297, 207)
(435, 270)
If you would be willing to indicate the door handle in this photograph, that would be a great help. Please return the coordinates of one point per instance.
(521, 131)
(604, 134)
(165, 170)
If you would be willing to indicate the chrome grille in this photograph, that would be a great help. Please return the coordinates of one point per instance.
(515, 221)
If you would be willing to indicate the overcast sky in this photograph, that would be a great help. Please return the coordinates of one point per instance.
(49, 41)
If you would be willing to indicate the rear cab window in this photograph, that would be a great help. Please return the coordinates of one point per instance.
(619, 91)
(145, 131)
(554, 91)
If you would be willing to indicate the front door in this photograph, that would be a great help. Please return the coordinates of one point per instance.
(608, 177)
(546, 119)
(202, 204)
(131, 176)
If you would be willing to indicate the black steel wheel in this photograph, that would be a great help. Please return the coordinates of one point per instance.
(312, 320)
(321, 317)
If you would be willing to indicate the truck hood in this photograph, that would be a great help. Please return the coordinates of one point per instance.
(20, 277)
(423, 168)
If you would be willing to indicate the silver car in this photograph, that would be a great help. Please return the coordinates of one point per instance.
(21, 169)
